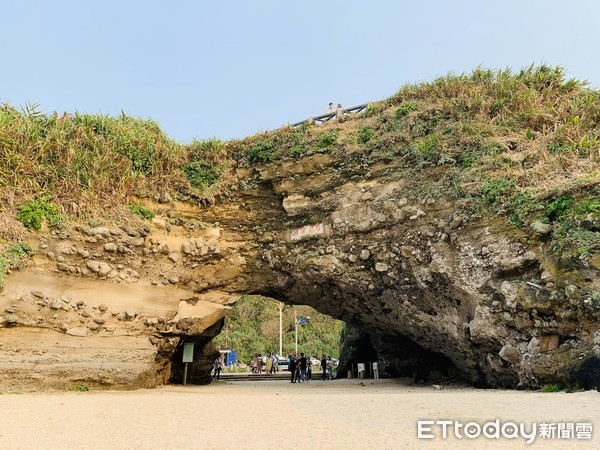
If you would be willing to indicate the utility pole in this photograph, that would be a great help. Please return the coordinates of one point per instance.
(281, 328)
(296, 325)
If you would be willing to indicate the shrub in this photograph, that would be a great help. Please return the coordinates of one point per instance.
(32, 214)
(202, 174)
(405, 109)
(495, 189)
(210, 146)
(587, 206)
(262, 153)
(551, 388)
(141, 211)
(326, 140)
(428, 148)
(365, 134)
(79, 388)
(558, 207)
(296, 150)
(13, 257)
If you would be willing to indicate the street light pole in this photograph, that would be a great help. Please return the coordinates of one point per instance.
(296, 324)
(280, 328)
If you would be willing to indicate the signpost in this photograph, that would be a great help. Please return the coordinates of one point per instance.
(361, 370)
(188, 357)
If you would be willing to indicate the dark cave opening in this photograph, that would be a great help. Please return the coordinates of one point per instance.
(204, 354)
(199, 371)
(397, 357)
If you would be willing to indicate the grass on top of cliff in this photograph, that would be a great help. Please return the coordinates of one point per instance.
(86, 163)
(533, 127)
(524, 142)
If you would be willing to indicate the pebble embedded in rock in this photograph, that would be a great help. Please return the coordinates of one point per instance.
(541, 228)
(510, 354)
(55, 304)
(110, 247)
(381, 267)
(79, 332)
(10, 320)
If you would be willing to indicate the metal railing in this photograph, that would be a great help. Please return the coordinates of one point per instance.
(328, 116)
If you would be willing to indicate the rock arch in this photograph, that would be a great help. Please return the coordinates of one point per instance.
(366, 244)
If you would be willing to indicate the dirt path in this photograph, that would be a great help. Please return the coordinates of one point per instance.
(277, 414)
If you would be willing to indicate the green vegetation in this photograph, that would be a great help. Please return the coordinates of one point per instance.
(558, 207)
(493, 190)
(262, 152)
(405, 109)
(551, 388)
(141, 211)
(252, 327)
(326, 140)
(13, 256)
(33, 213)
(76, 164)
(365, 135)
(79, 388)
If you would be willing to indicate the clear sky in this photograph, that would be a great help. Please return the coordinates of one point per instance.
(231, 68)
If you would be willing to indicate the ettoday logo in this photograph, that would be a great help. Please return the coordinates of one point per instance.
(431, 429)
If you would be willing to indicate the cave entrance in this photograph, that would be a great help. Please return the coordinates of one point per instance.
(204, 354)
(252, 328)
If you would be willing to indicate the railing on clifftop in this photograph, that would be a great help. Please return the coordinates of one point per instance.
(326, 117)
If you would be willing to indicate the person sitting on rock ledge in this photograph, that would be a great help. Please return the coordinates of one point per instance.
(339, 112)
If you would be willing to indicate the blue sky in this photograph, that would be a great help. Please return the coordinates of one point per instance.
(233, 68)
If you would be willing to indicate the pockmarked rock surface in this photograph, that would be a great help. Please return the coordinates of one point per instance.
(431, 289)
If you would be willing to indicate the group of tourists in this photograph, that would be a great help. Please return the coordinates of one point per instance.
(301, 368)
(268, 364)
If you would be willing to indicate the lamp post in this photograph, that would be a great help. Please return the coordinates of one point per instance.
(280, 328)
(296, 326)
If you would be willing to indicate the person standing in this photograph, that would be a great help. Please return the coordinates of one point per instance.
(269, 364)
(308, 368)
(293, 368)
(302, 367)
(324, 367)
(330, 109)
(217, 365)
(329, 368)
(274, 361)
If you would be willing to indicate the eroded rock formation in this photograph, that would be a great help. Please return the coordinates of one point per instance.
(369, 243)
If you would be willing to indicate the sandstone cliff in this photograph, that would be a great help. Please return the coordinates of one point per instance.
(454, 226)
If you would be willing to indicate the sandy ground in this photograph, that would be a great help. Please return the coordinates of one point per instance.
(277, 414)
